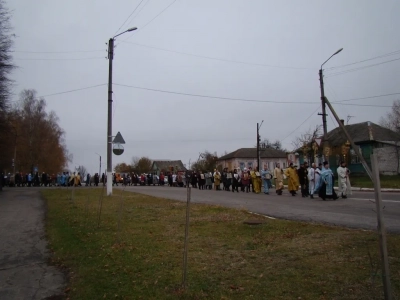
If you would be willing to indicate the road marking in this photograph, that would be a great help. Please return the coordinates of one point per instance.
(262, 215)
(361, 199)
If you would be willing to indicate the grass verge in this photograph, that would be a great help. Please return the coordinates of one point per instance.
(387, 181)
(227, 259)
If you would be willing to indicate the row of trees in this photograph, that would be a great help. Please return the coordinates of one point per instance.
(137, 165)
(32, 137)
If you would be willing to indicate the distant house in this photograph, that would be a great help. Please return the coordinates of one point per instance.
(371, 138)
(167, 166)
(247, 157)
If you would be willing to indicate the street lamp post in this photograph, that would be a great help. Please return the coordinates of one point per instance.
(258, 145)
(99, 164)
(109, 117)
(321, 81)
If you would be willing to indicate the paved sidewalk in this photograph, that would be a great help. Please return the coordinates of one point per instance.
(24, 272)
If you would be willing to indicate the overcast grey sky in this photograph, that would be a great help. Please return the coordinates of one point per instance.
(263, 50)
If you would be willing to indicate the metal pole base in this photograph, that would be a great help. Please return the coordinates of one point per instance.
(109, 183)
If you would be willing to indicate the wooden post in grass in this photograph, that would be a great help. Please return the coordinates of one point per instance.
(72, 195)
(185, 249)
(100, 206)
(86, 210)
(121, 206)
(381, 229)
(378, 202)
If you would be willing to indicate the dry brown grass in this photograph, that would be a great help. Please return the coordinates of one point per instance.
(227, 259)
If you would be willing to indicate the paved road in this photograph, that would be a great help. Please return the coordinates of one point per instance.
(354, 212)
(24, 273)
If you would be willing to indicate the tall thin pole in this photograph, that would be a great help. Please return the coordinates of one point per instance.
(100, 167)
(321, 83)
(374, 175)
(186, 242)
(381, 229)
(109, 118)
(258, 148)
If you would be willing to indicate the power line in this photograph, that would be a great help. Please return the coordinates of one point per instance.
(369, 105)
(86, 58)
(211, 97)
(370, 97)
(218, 59)
(57, 52)
(235, 99)
(360, 61)
(297, 128)
(361, 68)
(142, 27)
(128, 17)
(75, 90)
(69, 91)
(143, 6)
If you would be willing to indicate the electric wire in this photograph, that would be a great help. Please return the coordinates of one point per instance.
(298, 127)
(60, 59)
(135, 16)
(75, 90)
(360, 68)
(369, 97)
(57, 52)
(217, 97)
(142, 27)
(361, 61)
(128, 17)
(218, 59)
(69, 91)
(210, 97)
(236, 99)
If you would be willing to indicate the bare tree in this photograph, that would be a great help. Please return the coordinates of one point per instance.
(307, 137)
(392, 121)
(207, 161)
(142, 165)
(82, 170)
(6, 68)
(6, 63)
(36, 139)
(266, 143)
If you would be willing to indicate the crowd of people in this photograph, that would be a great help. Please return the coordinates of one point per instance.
(44, 179)
(317, 180)
(312, 180)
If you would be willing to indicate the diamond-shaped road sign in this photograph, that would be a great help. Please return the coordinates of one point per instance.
(118, 139)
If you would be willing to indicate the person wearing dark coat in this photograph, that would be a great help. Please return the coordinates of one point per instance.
(303, 179)
(194, 179)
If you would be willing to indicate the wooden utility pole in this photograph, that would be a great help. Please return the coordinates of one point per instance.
(378, 202)
(185, 248)
(381, 229)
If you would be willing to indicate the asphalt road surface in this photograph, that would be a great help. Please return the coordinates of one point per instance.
(358, 211)
(24, 272)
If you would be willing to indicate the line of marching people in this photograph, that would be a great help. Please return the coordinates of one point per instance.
(314, 180)
(246, 180)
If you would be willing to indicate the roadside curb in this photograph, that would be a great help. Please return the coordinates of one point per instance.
(358, 189)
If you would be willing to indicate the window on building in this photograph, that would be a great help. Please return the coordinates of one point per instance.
(337, 159)
(242, 165)
(354, 159)
(250, 164)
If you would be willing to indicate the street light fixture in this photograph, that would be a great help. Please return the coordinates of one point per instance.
(109, 117)
(321, 80)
